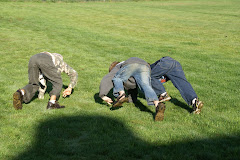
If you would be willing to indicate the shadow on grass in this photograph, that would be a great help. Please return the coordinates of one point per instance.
(172, 100)
(99, 137)
(137, 104)
(181, 104)
(175, 102)
(143, 108)
(48, 90)
(98, 99)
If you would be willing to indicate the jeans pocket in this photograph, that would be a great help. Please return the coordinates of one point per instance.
(166, 65)
(178, 67)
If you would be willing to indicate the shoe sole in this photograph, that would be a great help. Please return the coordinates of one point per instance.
(167, 99)
(200, 106)
(17, 103)
(120, 102)
(160, 114)
(56, 107)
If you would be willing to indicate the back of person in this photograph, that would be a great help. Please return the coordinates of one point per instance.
(134, 60)
(165, 63)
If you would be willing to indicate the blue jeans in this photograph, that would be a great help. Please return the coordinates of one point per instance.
(172, 69)
(141, 74)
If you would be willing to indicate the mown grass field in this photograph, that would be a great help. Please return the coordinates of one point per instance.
(204, 36)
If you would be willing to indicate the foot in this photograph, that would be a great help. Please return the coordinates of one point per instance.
(56, 105)
(17, 99)
(164, 98)
(197, 106)
(120, 100)
(160, 109)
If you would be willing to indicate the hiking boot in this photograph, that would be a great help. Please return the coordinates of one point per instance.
(17, 99)
(120, 101)
(56, 105)
(164, 98)
(160, 109)
(197, 106)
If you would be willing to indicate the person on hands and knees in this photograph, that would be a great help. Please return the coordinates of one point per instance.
(106, 85)
(172, 70)
(140, 71)
(50, 66)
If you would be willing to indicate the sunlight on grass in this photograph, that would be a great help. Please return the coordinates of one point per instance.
(202, 35)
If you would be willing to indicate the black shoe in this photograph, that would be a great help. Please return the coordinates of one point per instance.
(56, 105)
(160, 109)
(17, 99)
(120, 101)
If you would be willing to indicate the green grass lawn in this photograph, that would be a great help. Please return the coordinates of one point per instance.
(204, 36)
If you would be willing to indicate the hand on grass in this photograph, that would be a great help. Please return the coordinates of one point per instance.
(67, 92)
(108, 100)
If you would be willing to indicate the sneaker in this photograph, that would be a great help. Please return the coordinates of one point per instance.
(120, 101)
(197, 106)
(41, 91)
(41, 94)
(164, 98)
(17, 99)
(54, 106)
(160, 109)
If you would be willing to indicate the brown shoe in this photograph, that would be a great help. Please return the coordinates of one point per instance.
(160, 112)
(54, 106)
(164, 98)
(120, 101)
(197, 107)
(17, 99)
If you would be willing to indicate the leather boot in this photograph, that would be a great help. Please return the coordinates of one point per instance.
(56, 105)
(160, 112)
(17, 99)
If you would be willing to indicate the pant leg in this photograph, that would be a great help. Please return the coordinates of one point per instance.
(49, 70)
(132, 95)
(160, 68)
(143, 79)
(33, 73)
(42, 62)
(177, 76)
(156, 83)
(122, 76)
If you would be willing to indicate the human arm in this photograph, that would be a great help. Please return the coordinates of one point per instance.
(73, 79)
(106, 84)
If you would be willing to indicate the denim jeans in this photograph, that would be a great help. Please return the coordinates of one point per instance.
(172, 69)
(141, 73)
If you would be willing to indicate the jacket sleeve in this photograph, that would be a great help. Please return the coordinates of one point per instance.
(130, 84)
(106, 83)
(73, 75)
